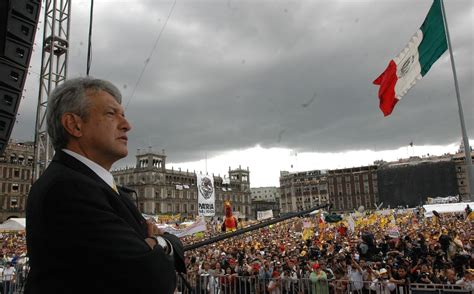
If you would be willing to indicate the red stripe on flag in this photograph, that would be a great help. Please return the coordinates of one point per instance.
(387, 81)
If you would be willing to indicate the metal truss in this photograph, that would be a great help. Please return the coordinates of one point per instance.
(57, 16)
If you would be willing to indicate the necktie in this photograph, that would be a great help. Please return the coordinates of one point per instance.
(114, 187)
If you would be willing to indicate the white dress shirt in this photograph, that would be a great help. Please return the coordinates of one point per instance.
(99, 170)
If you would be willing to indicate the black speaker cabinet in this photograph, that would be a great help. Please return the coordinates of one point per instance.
(18, 21)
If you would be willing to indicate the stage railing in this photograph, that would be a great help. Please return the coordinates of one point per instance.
(14, 283)
(232, 284)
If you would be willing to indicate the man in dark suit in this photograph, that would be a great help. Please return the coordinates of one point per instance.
(85, 235)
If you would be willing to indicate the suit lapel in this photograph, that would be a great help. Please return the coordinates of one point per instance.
(126, 199)
(120, 202)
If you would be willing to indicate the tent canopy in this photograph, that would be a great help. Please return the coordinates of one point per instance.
(13, 224)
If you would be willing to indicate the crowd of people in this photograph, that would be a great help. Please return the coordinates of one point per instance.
(369, 252)
(93, 227)
(383, 253)
(12, 260)
(12, 246)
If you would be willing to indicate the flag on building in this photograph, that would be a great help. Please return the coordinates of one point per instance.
(414, 62)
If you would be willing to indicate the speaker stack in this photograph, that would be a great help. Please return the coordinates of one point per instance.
(18, 21)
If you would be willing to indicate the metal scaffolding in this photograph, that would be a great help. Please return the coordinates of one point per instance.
(53, 72)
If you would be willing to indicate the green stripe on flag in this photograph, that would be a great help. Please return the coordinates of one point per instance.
(434, 38)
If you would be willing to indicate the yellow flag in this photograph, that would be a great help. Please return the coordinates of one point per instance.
(199, 235)
(372, 219)
(307, 234)
(471, 216)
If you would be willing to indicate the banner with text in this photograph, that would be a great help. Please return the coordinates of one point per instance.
(206, 195)
(266, 214)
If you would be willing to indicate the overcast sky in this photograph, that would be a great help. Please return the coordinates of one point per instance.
(269, 85)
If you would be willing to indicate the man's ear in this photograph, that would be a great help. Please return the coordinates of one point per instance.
(72, 123)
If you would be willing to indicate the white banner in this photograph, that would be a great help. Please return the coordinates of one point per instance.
(261, 215)
(446, 208)
(206, 195)
(442, 200)
(193, 228)
(384, 212)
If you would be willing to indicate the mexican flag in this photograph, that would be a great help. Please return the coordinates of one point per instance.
(424, 48)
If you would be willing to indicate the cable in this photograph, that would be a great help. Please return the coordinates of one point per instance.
(89, 45)
(151, 54)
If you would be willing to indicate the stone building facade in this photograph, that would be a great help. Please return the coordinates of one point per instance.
(350, 188)
(265, 194)
(261, 205)
(302, 190)
(164, 191)
(265, 198)
(16, 168)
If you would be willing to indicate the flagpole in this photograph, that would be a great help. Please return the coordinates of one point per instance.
(467, 149)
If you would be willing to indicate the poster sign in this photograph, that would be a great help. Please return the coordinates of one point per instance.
(206, 195)
(266, 214)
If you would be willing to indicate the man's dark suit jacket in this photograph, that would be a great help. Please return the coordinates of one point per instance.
(83, 237)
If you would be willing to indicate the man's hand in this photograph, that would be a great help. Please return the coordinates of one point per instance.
(152, 229)
(151, 242)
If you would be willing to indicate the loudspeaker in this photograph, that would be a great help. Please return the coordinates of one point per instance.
(6, 126)
(18, 21)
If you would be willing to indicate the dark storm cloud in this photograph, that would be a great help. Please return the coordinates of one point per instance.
(298, 74)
